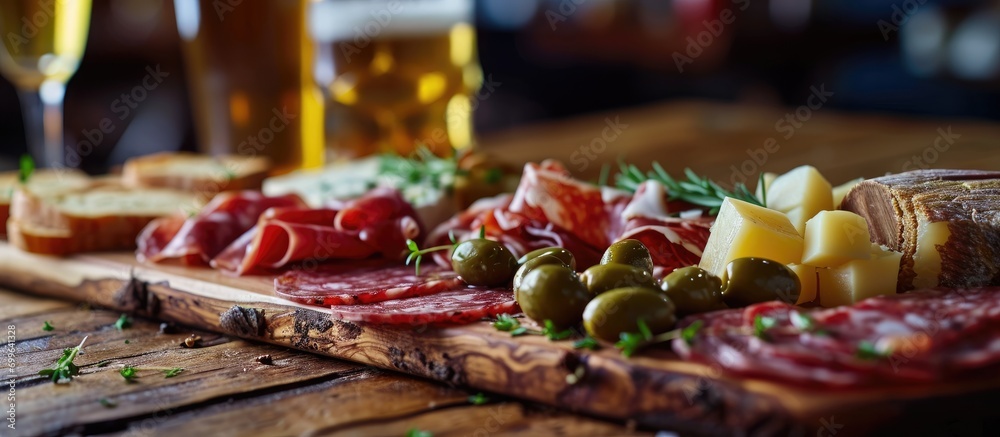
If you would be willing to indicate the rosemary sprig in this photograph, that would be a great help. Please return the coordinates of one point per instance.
(694, 189)
(421, 167)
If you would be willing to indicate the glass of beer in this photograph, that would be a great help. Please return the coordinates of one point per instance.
(395, 74)
(249, 73)
(43, 42)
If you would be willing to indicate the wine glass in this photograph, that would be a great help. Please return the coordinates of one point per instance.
(43, 42)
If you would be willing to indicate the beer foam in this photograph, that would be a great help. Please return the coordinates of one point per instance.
(331, 21)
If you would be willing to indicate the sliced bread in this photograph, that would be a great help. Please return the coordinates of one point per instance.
(200, 174)
(101, 215)
(41, 181)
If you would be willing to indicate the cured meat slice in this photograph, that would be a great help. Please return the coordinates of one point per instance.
(920, 336)
(364, 282)
(196, 240)
(548, 194)
(447, 308)
(672, 242)
(378, 223)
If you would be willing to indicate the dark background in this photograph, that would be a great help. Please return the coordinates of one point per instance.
(560, 58)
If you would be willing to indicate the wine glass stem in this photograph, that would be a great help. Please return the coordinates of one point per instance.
(43, 122)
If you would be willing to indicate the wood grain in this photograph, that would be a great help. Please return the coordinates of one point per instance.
(656, 390)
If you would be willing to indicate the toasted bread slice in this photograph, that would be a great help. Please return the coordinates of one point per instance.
(201, 174)
(41, 181)
(100, 216)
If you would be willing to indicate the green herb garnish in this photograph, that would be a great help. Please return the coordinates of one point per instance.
(586, 343)
(554, 334)
(506, 323)
(631, 341)
(478, 399)
(104, 363)
(760, 326)
(695, 189)
(64, 369)
(47, 326)
(414, 432)
(689, 332)
(129, 373)
(868, 351)
(416, 253)
(422, 167)
(108, 403)
(123, 322)
(172, 372)
(27, 168)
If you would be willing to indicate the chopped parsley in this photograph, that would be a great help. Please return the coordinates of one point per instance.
(47, 326)
(64, 369)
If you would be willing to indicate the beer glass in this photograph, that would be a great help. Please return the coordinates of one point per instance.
(43, 42)
(395, 74)
(248, 69)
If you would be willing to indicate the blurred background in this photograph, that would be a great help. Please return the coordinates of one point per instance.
(551, 59)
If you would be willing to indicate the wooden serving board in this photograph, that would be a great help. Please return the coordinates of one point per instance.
(654, 389)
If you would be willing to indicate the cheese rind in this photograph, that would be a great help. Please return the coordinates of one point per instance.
(802, 192)
(859, 279)
(840, 191)
(835, 237)
(743, 229)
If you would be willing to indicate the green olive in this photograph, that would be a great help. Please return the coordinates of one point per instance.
(616, 311)
(693, 290)
(747, 281)
(535, 262)
(483, 262)
(630, 252)
(562, 254)
(553, 292)
(601, 278)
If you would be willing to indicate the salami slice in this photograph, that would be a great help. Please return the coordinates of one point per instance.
(361, 283)
(451, 307)
(920, 336)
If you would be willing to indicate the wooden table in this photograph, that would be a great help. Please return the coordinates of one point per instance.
(225, 390)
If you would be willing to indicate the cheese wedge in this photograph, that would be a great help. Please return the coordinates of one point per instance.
(743, 229)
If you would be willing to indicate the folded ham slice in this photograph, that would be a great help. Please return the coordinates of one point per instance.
(196, 240)
(378, 223)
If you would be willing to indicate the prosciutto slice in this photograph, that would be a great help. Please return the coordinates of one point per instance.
(198, 239)
(551, 209)
(378, 223)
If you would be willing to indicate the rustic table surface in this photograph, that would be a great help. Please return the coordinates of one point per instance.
(227, 389)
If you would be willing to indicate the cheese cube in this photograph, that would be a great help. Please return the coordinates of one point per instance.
(840, 191)
(809, 281)
(859, 279)
(743, 229)
(802, 188)
(835, 237)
